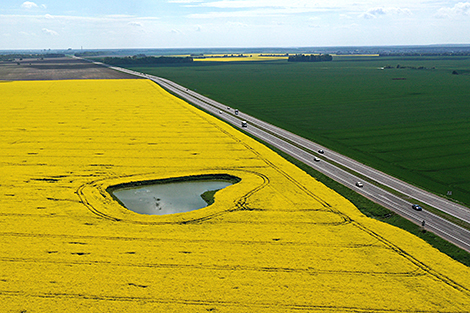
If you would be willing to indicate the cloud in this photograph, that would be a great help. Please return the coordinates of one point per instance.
(29, 5)
(118, 16)
(255, 12)
(213, 15)
(399, 11)
(50, 32)
(460, 9)
(250, 4)
(376, 12)
(258, 8)
(184, 1)
(242, 4)
(136, 24)
(82, 20)
(237, 24)
(373, 13)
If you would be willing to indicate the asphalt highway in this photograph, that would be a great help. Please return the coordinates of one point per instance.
(306, 151)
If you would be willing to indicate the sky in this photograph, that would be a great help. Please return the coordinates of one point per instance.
(120, 24)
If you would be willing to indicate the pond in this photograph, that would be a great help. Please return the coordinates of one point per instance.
(168, 198)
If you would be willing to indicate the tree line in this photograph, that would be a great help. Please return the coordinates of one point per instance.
(424, 54)
(17, 56)
(137, 60)
(89, 53)
(310, 58)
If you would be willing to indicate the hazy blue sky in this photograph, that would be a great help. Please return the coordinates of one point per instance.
(55, 24)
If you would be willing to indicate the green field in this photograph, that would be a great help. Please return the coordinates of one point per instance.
(411, 123)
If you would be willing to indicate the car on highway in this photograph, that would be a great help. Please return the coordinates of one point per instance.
(316, 159)
(417, 207)
(236, 111)
(244, 124)
(321, 151)
(359, 184)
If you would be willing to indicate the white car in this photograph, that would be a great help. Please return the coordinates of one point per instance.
(359, 184)
(316, 159)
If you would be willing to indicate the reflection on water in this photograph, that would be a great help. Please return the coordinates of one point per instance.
(170, 198)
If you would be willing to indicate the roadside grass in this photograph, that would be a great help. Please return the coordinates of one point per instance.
(408, 122)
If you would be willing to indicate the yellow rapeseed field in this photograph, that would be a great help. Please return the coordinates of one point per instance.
(277, 241)
(235, 58)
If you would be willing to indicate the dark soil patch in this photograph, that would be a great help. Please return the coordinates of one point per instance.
(57, 69)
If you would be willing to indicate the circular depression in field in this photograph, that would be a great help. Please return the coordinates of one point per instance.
(170, 196)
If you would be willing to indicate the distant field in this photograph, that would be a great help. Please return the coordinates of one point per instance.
(56, 69)
(412, 123)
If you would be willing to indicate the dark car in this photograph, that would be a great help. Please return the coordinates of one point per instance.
(417, 207)
(321, 151)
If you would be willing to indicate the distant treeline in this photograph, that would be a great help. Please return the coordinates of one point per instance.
(427, 54)
(310, 58)
(274, 55)
(135, 60)
(13, 57)
(409, 67)
(89, 53)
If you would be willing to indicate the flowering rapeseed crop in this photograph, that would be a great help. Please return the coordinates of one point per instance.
(277, 241)
(236, 57)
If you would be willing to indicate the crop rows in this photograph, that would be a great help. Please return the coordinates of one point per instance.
(277, 241)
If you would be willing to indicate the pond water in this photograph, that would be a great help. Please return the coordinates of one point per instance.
(168, 198)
